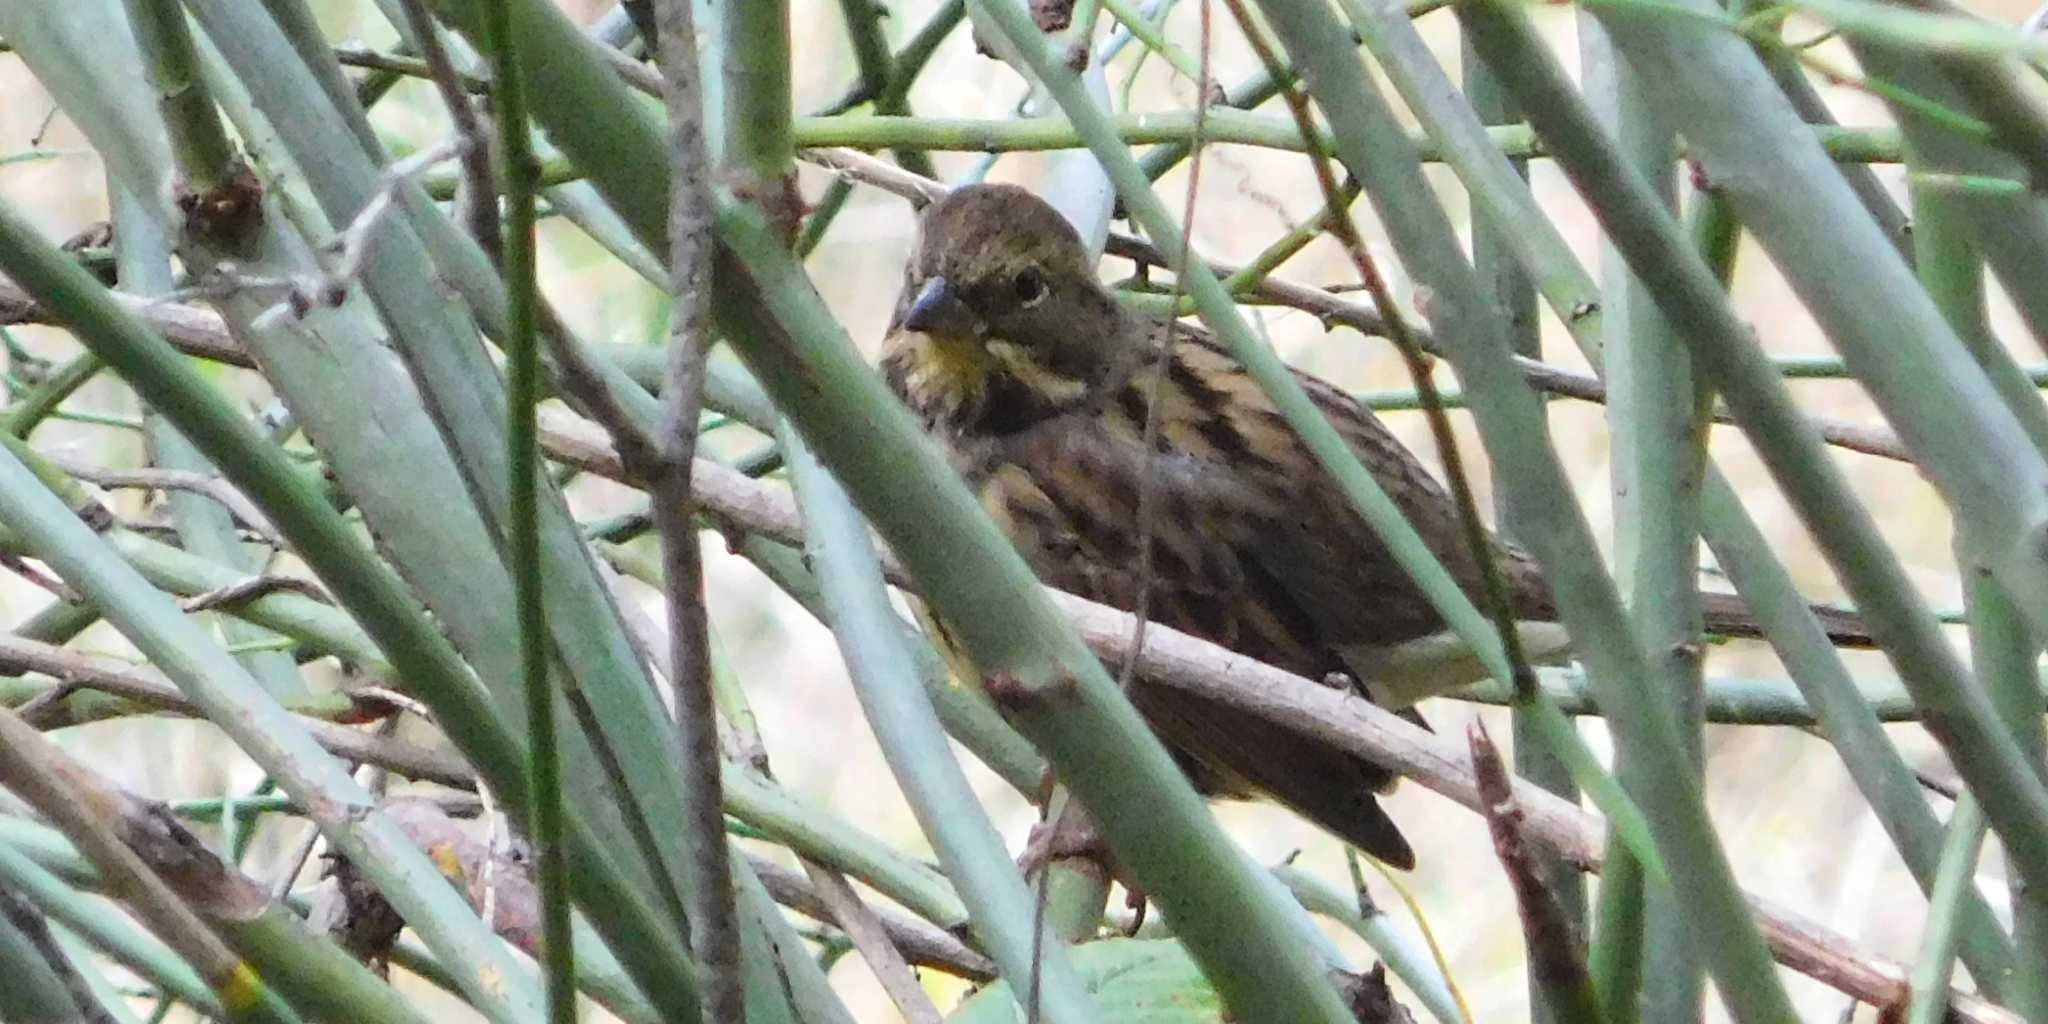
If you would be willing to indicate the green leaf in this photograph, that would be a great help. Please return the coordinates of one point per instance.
(1135, 981)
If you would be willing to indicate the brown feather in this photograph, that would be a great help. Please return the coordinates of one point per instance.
(1044, 408)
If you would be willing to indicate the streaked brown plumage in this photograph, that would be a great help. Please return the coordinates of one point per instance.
(1038, 383)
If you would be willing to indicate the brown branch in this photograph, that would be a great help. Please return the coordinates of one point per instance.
(922, 942)
(191, 329)
(479, 198)
(462, 854)
(207, 485)
(148, 688)
(1556, 952)
(714, 929)
(356, 55)
(1338, 718)
(245, 590)
(860, 924)
(147, 859)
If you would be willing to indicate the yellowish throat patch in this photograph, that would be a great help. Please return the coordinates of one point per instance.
(1052, 387)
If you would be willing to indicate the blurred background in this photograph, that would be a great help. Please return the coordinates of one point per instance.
(1795, 827)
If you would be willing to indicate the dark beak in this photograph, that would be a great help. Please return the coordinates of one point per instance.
(936, 309)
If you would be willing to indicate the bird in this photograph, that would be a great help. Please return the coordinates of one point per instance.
(1042, 389)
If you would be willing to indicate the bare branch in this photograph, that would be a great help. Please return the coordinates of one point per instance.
(127, 845)
(861, 925)
(1341, 719)
(480, 193)
(923, 943)
(252, 588)
(714, 924)
(204, 484)
(75, 671)
(1556, 951)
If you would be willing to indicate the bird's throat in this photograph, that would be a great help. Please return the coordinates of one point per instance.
(976, 386)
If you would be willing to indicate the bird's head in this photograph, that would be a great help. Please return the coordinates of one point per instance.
(1001, 321)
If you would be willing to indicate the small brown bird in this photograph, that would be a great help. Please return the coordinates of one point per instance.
(1038, 382)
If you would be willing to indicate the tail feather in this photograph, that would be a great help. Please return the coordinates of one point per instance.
(1238, 755)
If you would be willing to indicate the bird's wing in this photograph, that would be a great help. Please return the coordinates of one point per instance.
(1331, 560)
(1069, 498)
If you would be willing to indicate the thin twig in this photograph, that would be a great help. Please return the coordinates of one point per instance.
(296, 863)
(356, 55)
(204, 484)
(632, 72)
(860, 924)
(194, 330)
(1141, 608)
(331, 288)
(480, 193)
(245, 590)
(150, 689)
(714, 927)
(497, 838)
(922, 943)
(355, 240)
(27, 570)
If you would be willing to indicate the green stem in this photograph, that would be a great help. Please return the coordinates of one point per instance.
(750, 58)
(143, 256)
(522, 387)
(1171, 130)
(358, 578)
(1153, 39)
(1907, 357)
(879, 659)
(1510, 419)
(199, 142)
(32, 408)
(1494, 260)
(879, 72)
(967, 713)
(1689, 293)
(1659, 452)
(2004, 652)
(908, 62)
(2008, 235)
(1937, 958)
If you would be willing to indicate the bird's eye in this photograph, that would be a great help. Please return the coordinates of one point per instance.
(1029, 286)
